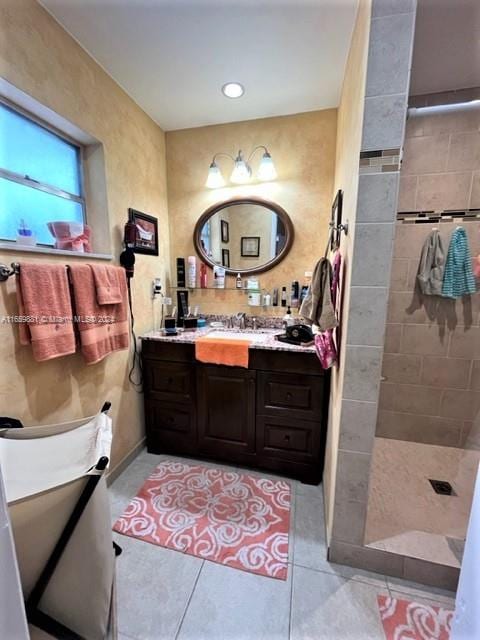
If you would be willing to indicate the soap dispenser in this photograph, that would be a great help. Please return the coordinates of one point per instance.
(288, 320)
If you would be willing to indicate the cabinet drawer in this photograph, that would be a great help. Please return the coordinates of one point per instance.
(296, 395)
(170, 417)
(170, 379)
(170, 427)
(279, 437)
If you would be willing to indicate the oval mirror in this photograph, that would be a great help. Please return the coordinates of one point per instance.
(244, 235)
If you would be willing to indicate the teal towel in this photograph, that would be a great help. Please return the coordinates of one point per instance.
(458, 279)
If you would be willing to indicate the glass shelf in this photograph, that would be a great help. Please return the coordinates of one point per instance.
(214, 289)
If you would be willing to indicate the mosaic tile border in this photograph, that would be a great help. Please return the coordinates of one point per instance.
(449, 215)
(380, 160)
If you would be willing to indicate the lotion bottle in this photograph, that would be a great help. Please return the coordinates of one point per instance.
(218, 277)
(203, 276)
(192, 272)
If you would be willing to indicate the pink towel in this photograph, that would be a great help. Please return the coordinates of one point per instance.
(103, 328)
(106, 283)
(43, 296)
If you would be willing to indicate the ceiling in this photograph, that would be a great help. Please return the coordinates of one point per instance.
(446, 53)
(173, 56)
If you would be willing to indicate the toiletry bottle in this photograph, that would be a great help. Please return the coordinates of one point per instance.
(192, 272)
(254, 298)
(287, 320)
(203, 276)
(275, 298)
(180, 272)
(307, 281)
(238, 282)
(267, 300)
(218, 277)
(294, 296)
(284, 296)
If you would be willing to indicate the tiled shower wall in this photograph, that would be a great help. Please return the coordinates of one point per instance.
(431, 363)
(441, 159)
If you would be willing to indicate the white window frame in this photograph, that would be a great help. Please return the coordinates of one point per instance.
(27, 181)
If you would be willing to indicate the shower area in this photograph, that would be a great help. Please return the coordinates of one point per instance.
(427, 444)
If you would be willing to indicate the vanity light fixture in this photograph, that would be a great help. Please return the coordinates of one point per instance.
(233, 90)
(215, 178)
(242, 171)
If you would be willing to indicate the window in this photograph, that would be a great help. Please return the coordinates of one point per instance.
(40, 177)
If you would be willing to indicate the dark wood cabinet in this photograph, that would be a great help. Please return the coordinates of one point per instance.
(226, 412)
(272, 415)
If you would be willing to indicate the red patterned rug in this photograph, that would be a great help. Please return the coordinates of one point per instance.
(404, 620)
(228, 517)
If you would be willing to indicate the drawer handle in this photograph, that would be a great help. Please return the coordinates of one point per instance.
(287, 438)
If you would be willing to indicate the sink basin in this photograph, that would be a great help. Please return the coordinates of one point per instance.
(253, 336)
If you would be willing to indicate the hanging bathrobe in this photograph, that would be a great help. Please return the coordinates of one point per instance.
(432, 265)
(458, 279)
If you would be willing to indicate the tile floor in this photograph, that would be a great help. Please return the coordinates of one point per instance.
(405, 515)
(165, 595)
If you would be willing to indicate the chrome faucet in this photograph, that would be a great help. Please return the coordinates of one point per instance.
(241, 319)
(254, 323)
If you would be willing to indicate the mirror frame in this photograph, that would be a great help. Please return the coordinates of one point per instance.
(281, 213)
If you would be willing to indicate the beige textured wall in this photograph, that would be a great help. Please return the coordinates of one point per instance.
(303, 149)
(41, 59)
(431, 364)
(349, 135)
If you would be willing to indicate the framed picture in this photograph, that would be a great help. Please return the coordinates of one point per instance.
(146, 239)
(336, 220)
(225, 231)
(226, 258)
(250, 246)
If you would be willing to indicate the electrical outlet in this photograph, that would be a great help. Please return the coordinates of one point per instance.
(156, 287)
(166, 301)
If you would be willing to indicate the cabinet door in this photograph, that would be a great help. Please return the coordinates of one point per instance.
(226, 412)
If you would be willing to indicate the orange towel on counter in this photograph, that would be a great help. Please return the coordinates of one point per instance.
(103, 328)
(230, 352)
(43, 295)
(107, 283)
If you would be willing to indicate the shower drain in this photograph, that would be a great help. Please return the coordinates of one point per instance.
(442, 487)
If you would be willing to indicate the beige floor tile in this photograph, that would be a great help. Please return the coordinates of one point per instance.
(403, 509)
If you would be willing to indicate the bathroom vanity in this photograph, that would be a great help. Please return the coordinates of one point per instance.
(271, 416)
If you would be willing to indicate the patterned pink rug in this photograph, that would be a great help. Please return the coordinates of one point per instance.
(232, 518)
(404, 620)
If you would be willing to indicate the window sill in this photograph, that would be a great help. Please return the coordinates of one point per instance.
(12, 246)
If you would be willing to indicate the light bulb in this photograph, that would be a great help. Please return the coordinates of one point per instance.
(214, 178)
(241, 171)
(266, 170)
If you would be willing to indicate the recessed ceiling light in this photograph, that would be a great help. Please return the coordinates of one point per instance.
(233, 90)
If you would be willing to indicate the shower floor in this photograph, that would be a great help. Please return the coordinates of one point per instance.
(405, 515)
